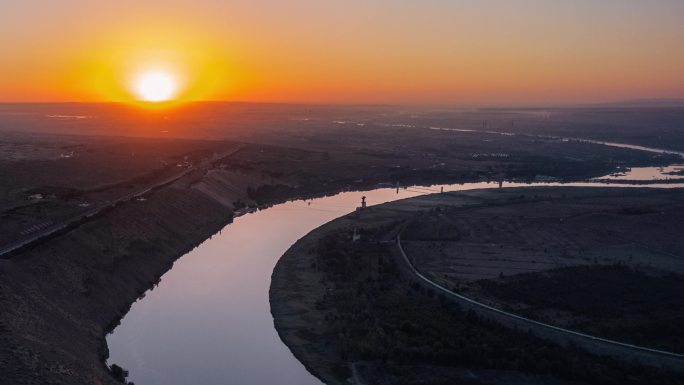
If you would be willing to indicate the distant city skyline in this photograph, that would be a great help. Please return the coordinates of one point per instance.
(430, 52)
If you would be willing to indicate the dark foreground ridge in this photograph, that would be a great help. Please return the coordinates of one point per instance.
(52, 328)
(356, 311)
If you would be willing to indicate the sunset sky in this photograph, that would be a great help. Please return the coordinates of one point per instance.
(431, 51)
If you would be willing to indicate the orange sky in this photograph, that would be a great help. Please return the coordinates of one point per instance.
(402, 51)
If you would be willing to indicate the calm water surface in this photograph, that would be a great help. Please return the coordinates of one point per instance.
(209, 322)
(674, 171)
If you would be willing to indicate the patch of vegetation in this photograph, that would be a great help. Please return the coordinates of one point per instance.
(372, 316)
(120, 374)
(613, 301)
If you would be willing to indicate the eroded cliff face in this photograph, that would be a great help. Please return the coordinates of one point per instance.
(59, 298)
(229, 187)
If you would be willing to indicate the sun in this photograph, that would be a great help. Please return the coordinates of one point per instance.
(156, 86)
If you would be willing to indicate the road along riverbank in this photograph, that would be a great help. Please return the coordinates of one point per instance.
(53, 328)
(341, 305)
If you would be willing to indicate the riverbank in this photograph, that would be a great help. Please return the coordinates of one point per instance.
(342, 310)
(54, 327)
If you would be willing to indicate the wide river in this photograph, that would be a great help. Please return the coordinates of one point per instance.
(209, 321)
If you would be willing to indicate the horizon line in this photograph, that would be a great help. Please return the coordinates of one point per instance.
(645, 102)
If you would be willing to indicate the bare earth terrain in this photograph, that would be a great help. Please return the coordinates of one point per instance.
(609, 267)
(103, 169)
(346, 310)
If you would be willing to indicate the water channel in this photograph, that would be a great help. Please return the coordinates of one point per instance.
(209, 322)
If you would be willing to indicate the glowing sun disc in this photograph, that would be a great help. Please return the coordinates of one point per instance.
(156, 87)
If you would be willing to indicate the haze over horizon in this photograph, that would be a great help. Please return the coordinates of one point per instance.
(435, 52)
(328, 192)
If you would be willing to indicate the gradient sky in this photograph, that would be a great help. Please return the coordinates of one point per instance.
(432, 51)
